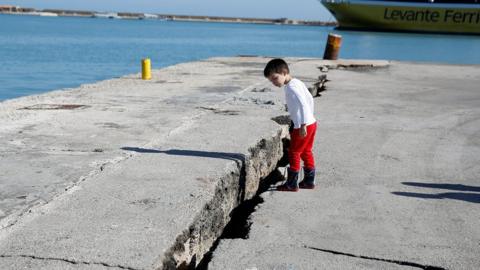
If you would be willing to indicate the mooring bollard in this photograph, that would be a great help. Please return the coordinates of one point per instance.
(333, 47)
(146, 69)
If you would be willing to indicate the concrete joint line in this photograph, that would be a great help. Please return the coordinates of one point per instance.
(14, 218)
(412, 264)
(67, 261)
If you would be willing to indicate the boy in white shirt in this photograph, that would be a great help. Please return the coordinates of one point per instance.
(300, 107)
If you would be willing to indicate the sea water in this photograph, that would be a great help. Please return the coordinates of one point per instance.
(39, 54)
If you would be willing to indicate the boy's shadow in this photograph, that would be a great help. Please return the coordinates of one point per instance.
(470, 194)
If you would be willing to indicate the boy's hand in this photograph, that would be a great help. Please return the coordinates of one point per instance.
(303, 131)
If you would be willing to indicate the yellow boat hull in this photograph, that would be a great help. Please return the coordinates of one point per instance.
(351, 15)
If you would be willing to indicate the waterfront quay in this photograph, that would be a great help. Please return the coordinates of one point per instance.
(145, 174)
(14, 10)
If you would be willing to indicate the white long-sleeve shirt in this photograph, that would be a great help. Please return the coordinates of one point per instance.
(299, 103)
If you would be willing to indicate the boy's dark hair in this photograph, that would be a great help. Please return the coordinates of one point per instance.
(275, 66)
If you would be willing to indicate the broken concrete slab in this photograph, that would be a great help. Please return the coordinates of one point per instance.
(398, 162)
(48, 151)
(174, 161)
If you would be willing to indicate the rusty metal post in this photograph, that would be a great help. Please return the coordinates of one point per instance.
(332, 49)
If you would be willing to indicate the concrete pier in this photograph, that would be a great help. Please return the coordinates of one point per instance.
(132, 174)
(398, 153)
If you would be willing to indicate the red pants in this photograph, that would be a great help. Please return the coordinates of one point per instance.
(301, 148)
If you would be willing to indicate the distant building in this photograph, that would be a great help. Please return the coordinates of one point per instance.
(5, 8)
(22, 9)
(14, 9)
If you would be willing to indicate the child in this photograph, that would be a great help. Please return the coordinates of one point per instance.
(300, 107)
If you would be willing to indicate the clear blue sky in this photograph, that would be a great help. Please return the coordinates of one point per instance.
(293, 9)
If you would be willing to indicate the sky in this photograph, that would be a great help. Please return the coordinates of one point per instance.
(292, 9)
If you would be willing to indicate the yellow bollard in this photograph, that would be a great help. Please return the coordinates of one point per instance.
(146, 69)
(333, 47)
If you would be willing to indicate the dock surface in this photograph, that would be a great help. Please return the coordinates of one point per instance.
(398, 154)
(132, 174)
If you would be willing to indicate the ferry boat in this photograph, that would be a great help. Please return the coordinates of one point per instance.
(434, 16)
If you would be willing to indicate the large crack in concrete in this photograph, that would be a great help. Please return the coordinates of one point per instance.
(405, 263)
(240, 223)
(68, 261)
(251, 176)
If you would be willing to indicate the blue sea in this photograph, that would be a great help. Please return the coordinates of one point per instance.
(40, 54)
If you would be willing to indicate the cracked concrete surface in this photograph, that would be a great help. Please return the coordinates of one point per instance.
(143, 178)
(398, 156)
